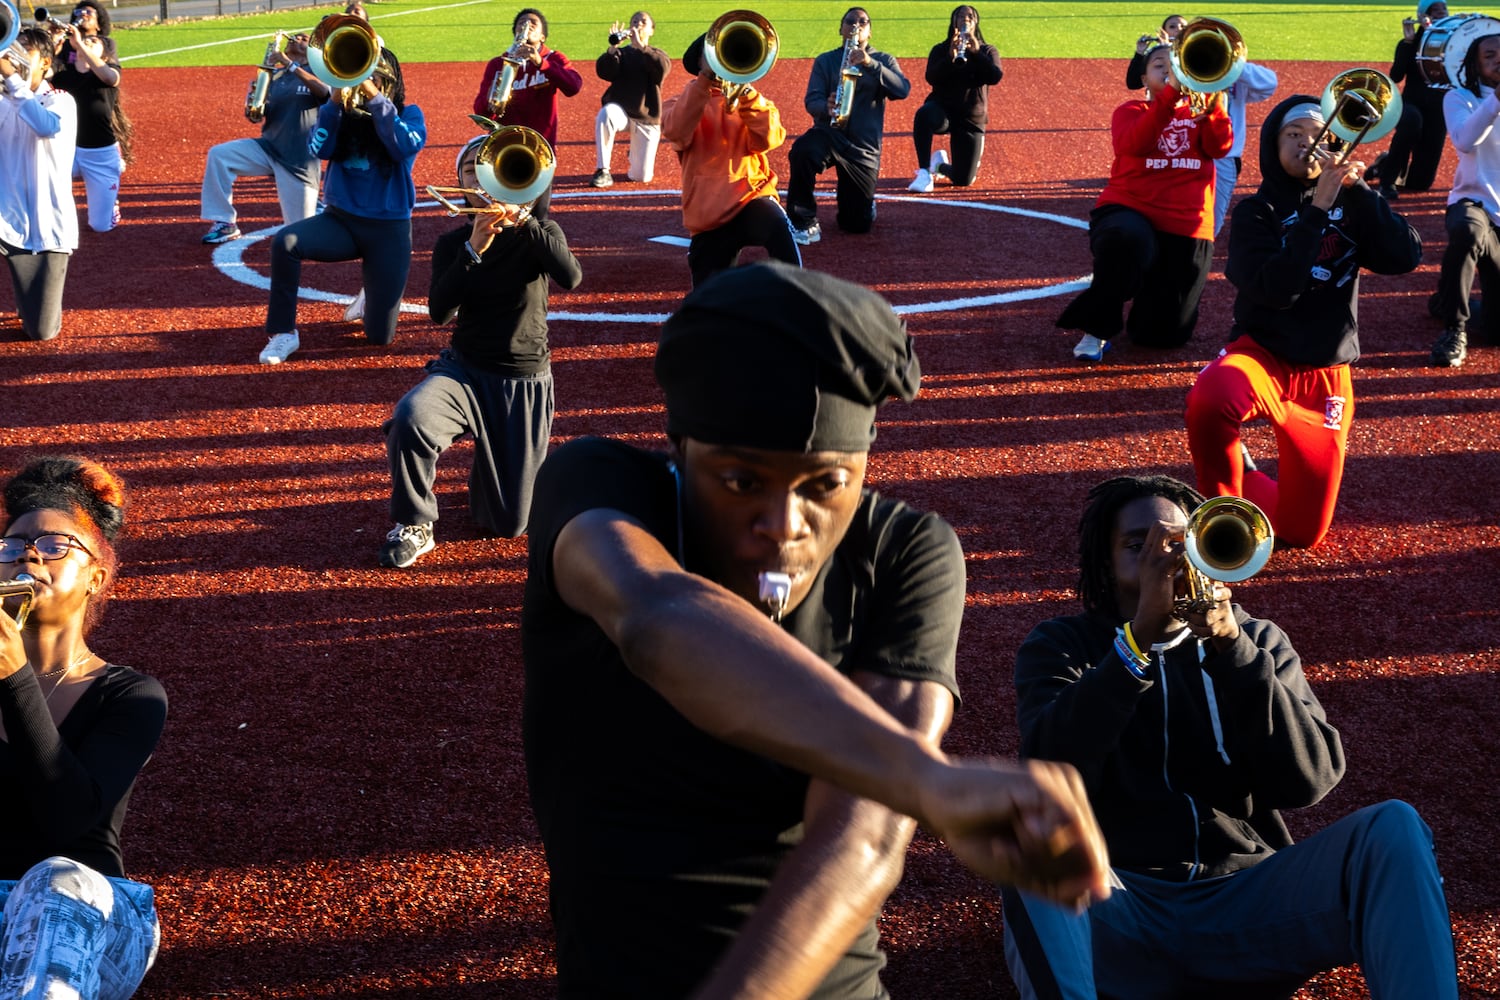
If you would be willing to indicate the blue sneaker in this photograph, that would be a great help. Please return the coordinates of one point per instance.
(1090, 348)
(812, 234)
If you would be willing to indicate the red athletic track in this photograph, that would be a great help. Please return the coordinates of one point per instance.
(338, 806)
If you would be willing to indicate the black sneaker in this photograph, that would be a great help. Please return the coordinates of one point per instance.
(1245, 457)
(1388, 191)
(602, 179)
(405, 544)
(1451, 349)
(1372, 173)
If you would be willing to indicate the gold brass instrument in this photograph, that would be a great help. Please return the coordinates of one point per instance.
(1208, 56)
(20, 587)
(1358, 104)
(10, 28)
(514, 165)
(1228, 539)
(343, 53)
(505, 80)
(849, 74)
(740, 48)
(255, 101)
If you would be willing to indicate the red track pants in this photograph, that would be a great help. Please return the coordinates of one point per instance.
(1311, 410)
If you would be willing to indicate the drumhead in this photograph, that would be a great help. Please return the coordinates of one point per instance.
(1444, 44)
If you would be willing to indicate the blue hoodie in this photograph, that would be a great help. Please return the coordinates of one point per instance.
(375, 184)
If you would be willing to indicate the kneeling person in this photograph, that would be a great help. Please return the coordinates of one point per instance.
(494, 381)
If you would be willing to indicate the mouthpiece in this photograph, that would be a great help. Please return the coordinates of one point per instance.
(24, 578)
(776, 590)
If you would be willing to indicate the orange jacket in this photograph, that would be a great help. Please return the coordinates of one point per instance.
(723, 155)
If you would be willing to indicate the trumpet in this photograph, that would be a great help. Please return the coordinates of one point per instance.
(505, 80)
(255, 101)
(740, 48)
(1228, 539)
(1208, 56)
(22, 587)
(343, 53)
(1358, 104)
(849, 74)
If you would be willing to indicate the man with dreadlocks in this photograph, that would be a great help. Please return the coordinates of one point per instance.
(1191, 730)
(370, 137)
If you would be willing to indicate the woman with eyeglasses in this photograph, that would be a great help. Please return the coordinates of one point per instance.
(75, 731)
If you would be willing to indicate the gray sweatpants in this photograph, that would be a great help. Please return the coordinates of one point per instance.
(510, 419)
(38, 279)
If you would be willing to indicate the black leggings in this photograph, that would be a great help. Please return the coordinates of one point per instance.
(966, 141)
(761, 223)
(382, 246)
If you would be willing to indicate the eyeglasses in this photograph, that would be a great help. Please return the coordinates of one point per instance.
(50, 547)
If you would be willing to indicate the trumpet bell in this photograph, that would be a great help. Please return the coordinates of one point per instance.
(1229, 539)
(515, 165)
(1209, 55)
(1361, 105)
(740, 47)
(343, 51)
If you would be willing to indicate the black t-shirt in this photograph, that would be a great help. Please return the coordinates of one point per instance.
(661, 839)
(96, 99)
(66, 788)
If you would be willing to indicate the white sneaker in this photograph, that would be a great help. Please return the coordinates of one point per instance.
(356, 308)
(279, 348)
(939, 159)
(1090, 348)
(923, 183)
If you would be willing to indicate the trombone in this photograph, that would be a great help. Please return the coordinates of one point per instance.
(1208, 56)
(514, 165)
(20, 587)
(740, 47)
(1358, 104)
(1228, 539)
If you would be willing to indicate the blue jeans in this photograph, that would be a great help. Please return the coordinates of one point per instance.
(1365, 889)
(65, 927)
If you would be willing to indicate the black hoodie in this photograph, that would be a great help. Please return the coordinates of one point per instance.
(1296, 267)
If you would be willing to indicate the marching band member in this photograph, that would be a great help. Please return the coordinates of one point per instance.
(1151, 231)
(38, 221)
(961, 69)
(87, 67)
(493, 381)
(634, 69)
(75, 732)
(369, 196)
(1212, 899)
(1472, 110)
(1256, 83)
(852, 147)
(1417, 144)
(287, 119)
(1295, 252)
(533, 100)
(728, 186)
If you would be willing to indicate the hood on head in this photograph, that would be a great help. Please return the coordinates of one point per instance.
(1275, 181)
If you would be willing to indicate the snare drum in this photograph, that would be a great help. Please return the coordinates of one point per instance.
(1440, 54)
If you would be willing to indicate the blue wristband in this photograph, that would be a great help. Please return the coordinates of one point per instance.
(1136, 666)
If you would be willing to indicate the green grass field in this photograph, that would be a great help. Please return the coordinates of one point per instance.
(471, 30)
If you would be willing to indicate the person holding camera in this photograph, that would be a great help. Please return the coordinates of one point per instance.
(87, 67)
(287, 119)
(634, 69)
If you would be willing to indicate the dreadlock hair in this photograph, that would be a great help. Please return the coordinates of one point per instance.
(1096, 577)
(953, 21)
(1468, 73)
(87, 492)
(357, 136)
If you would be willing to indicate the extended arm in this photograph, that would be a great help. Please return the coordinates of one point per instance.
(1470, 126)
(562, 74)
(831, 887)
(761, 690)
(680, 115)
(1136, 125)
(549, 248)
(889, 76)
(403, 135)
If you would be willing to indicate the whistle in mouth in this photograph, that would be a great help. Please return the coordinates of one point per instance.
(776, 590)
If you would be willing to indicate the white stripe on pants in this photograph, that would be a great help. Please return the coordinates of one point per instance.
(644, 138)
(68, 932)
(237, 158)
(100, 169)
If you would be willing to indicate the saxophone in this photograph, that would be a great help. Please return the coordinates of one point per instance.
(255, 101)
(849, 74)
(505, 80)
